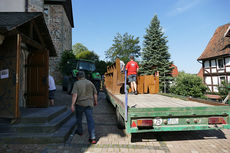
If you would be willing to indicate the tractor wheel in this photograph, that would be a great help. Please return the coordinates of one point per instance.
(69, 87)
(97, 85)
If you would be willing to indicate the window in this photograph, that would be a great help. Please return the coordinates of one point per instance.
(213, 63)
(220, 63)
(206, 64)
(222, 79)
(46, 11)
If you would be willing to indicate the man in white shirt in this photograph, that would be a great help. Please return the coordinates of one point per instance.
(122, 65)
(52, 89)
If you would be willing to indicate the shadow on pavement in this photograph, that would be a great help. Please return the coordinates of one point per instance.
(178, 135)
(104, 118)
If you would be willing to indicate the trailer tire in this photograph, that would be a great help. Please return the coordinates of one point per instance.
(120, 120)
(135, 138)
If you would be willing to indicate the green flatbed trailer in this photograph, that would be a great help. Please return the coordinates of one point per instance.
(156, 113)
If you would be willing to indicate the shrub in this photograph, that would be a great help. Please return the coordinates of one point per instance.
(224, 89)
(67, 62)
(188, 85)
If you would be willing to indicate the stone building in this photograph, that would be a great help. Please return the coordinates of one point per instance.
(59, 20)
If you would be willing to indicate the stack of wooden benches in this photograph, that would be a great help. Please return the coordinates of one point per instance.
(115, 79)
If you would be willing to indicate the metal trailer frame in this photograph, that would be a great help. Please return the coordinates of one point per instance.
(183, 114)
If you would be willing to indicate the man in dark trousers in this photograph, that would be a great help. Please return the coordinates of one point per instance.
(84, 97)
(132, 68)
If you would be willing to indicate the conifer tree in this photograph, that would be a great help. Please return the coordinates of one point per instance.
(155, 55)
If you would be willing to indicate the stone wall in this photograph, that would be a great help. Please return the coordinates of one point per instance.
(61, 33)
(11, 6)
(35, 5)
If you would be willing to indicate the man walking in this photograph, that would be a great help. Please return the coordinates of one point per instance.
(132, 68)
(84, 97)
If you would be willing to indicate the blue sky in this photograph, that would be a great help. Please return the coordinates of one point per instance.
(188, 24)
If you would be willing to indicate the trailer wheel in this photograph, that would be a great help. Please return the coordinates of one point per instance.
(120, 120)
(135, 137)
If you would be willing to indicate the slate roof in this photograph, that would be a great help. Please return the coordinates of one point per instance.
(219, 45)
(12, 20)
(67, 4)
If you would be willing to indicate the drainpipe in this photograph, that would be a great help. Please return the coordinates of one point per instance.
(199, 61)
(26, 5)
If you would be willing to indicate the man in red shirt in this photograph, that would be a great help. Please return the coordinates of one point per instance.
(132, 68)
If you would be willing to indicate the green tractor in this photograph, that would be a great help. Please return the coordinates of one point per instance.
(73, 66)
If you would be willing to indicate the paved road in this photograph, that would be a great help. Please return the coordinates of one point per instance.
(111, 139)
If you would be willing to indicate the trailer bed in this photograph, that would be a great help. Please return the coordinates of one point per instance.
(156, 100)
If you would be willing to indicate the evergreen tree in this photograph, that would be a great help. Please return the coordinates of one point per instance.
(155, 55)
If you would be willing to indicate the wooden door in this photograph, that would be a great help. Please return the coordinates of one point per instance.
(9, 70)
(37, 79)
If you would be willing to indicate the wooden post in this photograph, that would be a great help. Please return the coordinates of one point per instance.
(18, 51)
(140, 84)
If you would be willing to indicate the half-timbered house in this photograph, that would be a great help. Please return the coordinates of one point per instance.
(216, 59)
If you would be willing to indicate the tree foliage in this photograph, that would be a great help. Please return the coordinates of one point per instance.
(79, 48)
(224, 89)
(66, 64)
(101, 66)
(155, 55)
(123, 46)
(90, 55)
(188, 85)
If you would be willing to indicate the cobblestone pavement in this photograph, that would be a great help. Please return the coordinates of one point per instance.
(111, 139)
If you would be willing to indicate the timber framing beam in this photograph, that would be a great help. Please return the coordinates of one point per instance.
(32, 42)
(38, 33)
(216, 74)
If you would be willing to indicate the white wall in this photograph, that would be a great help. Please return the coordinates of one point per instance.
(12, 5)
(207, 70)
(215, 80)
(215, 89)
(213, 70)
(208, 80)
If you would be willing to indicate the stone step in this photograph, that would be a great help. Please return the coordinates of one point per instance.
(59, 136)
(47, 127)
(40, 115)
(5, 126)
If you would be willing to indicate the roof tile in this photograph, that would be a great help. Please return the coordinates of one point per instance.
(218, 45)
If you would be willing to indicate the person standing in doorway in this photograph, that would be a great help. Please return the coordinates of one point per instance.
(52, 89)
(84, 97)
(132, 68)
(122, 66)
